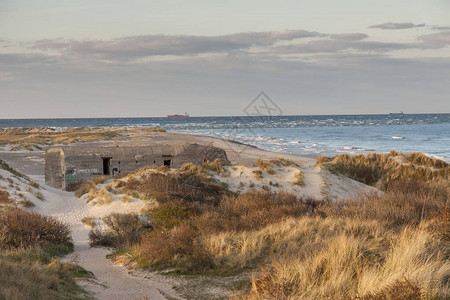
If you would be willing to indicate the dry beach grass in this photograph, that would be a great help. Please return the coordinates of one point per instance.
(370, 247)
(37, 137)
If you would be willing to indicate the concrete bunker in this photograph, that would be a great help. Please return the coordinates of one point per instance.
(68, 165)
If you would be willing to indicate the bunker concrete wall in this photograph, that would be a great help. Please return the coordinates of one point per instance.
(54, 168)
(73, 164)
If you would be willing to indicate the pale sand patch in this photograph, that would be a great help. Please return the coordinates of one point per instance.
(339, 187)
(241, 178)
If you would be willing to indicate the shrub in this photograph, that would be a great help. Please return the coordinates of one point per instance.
(252, 210)
(187, 185)
(21, 229)
(4, 197)
(124, 230)
(178, 247)
(170, 215)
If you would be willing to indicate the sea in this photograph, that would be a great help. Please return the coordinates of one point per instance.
(315, 135)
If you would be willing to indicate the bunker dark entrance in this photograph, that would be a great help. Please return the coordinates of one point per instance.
(106, 165)
(167, 160)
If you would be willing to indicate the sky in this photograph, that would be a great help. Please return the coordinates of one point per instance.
(110, 58)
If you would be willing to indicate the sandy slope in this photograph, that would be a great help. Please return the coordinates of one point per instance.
(115, 282)
(112, 281)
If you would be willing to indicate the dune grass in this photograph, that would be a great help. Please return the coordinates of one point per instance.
(298, 178)
(264, 166)
(4, 197)
(34, 138)
(379, 169)
(88, 221)
(30, 245)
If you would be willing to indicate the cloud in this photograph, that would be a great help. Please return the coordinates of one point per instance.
(25, 59)
(224, 85)
(436, 27)
(396, 26)
(136, 47)
(332, 45)
(349, 36)
(436, 40)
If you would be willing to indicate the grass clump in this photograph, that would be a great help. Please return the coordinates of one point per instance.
(40, 196)
(282, 162)
(379, 169)
(103, 197)
(84, 188)
(264, 166)
(125, 199)
(216, 166)
(27, 203)
(258, 174)
(89, 221)
(298, 178)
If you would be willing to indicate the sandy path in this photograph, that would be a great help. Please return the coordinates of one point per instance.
(113, 282)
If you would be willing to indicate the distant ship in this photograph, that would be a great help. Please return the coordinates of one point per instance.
(185, 115)
(396, 114)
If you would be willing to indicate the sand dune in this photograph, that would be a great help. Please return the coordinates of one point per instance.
(117, 282)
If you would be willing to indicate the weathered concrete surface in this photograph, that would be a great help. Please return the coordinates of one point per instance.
(69, 165)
